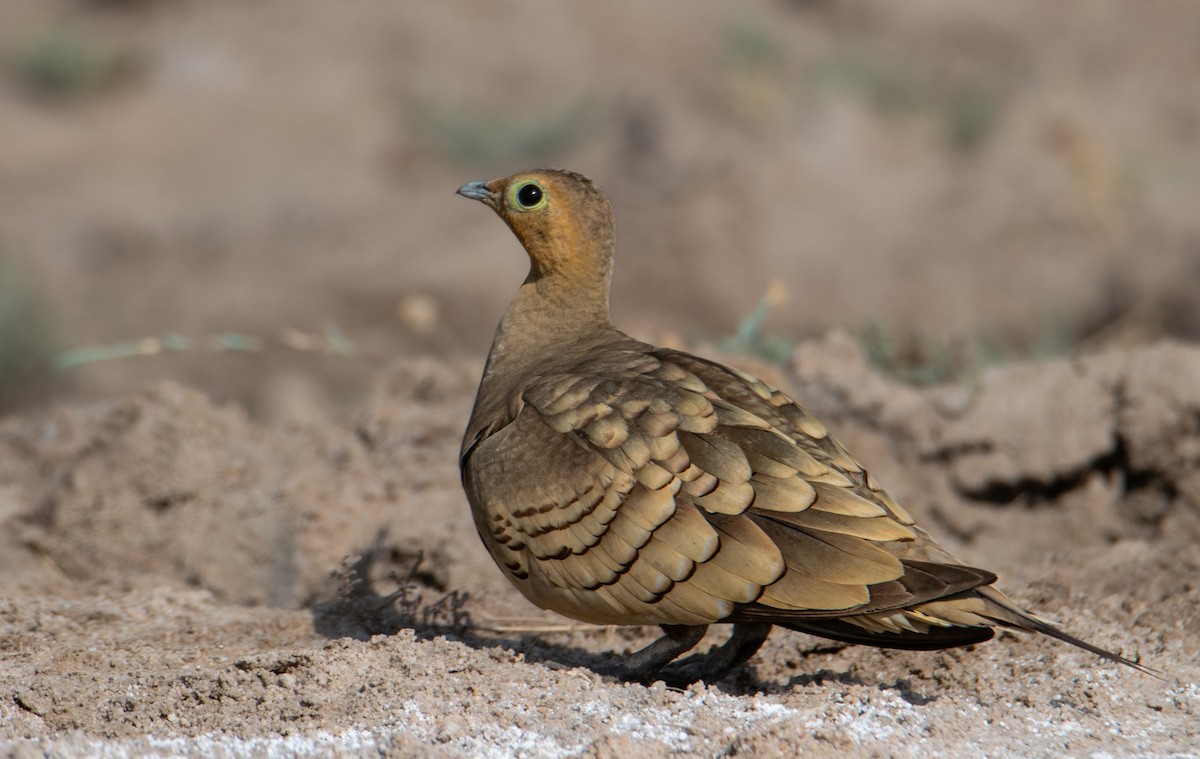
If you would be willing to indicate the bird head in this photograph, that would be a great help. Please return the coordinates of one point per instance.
(561, 218)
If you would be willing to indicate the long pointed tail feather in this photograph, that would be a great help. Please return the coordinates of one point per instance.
(1001, 609)
(960, 620)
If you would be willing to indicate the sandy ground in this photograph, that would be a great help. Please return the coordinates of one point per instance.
(174, 582)
(250, 539)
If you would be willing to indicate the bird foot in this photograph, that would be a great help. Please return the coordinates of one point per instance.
(714, 665)
(644, 666)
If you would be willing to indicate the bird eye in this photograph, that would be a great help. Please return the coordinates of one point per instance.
(529, 196)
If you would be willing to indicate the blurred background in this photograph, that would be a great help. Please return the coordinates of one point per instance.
(258, 198)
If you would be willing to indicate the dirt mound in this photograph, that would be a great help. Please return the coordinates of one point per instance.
(164, 484)
(170, 569)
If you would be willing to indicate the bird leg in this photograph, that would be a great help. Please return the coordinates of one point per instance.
(644, 665)
(745, 641)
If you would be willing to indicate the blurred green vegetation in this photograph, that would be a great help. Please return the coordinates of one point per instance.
(914, 358)
(61, 64)
(968, 107)
(750, 339)
(331, 341)
(911, 357)
(749, 44)
(26, 342)
(471, 137)
(921, 359)
(751, 72)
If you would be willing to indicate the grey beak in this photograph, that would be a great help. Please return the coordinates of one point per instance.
(479, 191)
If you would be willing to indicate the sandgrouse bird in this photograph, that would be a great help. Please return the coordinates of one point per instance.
(619, 483)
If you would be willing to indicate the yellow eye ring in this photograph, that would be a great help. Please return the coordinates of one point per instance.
(526, 195)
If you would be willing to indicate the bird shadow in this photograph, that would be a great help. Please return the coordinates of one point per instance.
(905, 689)
(421, 604)
(747, 682)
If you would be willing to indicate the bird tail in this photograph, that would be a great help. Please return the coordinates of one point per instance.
(959, 620)
(1004, 611)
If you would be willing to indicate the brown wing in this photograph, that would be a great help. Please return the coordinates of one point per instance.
(590, 499)
(666, 489)
(935, 602)
(853, 543)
